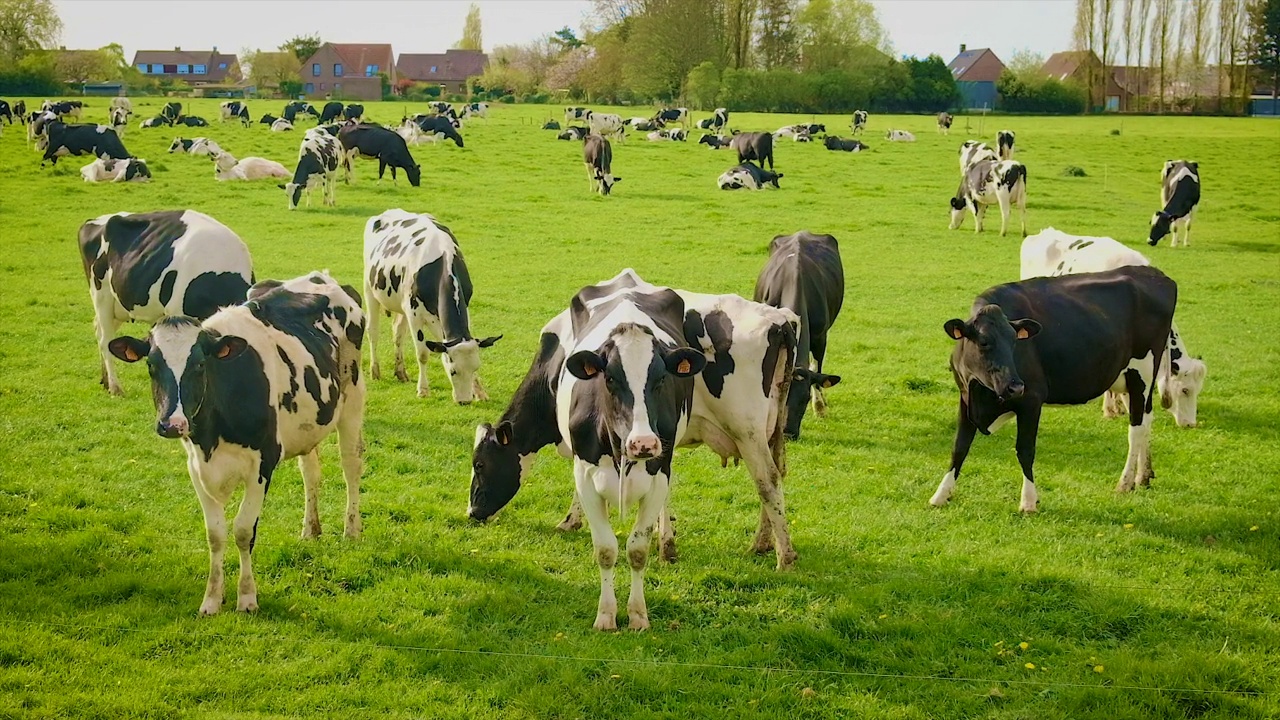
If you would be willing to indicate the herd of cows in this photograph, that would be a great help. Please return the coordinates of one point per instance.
(248, 374)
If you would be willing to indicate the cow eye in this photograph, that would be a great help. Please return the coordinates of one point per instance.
(1186, 391)
(478, 465)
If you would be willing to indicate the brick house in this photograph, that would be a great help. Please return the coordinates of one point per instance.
(194, 67)
(1077, 66)
(347, 71)
(451, 68)
(976, 72)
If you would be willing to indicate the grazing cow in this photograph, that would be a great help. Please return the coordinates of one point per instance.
(281, 125)
(148, 266)
(673, 115)
(972, 151)
(234, 109)
(597, 155)
(1004, 140)
(899, 136)
(20, 110)
(607, 125)
(104, 169)
(715, 141)
(157, 121)
(718, 120)
(96, 140)
(191, 121)
(804, 274)
(1180, 378)
(574, 133)
(438, 126)
(1179, 194)
(332, 111)
(119, 119)
(747, 175)
(172, 110)
(37, 129)
(834, 143)
(480, 110)
(318, 160)
(352, 112)
(576, 113)
(6, 112)
(859, 122)
(991, 182)
(661, 135)
(551, 125)
(194, 146)
(268, 119)
(70, 108)
(944, 122)
(1060, 341)
(291, 111)
(414, 270)
(756, 146)
(374, 141)
(226, 167)
(802, 137)
(250, 387)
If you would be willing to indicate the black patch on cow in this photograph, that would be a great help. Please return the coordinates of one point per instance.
(717, 329)
(289, 400)
(139, 250)
(394, 284)
(166, 287)
(209, 291)
(90, 240)
(426, 285)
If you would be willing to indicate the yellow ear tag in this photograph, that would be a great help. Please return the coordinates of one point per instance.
(223, 352)
(1023, 334)
(683, 367)
(957, 333)
(590, 370)
(131, 355)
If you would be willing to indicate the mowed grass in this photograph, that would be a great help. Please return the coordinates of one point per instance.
(1157, 604)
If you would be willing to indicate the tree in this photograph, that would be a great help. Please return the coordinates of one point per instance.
(703, 86)
(740, 20)
(1026, 64)
(1137, 14)
(303, 46)
(1233, 54)
(667, 40)
(82, 66)
(26, 26)
(1106, 43)
(471, 37)
(1198, 30)
(570, 70)
(831, 31)
(269, 70)
(1085, 41)
(776, 42)
(565, 38)
(933, 87)
(1264, 40)
(1161, 31)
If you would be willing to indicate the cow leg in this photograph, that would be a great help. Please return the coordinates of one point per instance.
(819, 350)
(373, 316)
(351, 451)
(572, 519)
(105, 326)
(603, 540)
(1005, 206)
(965, 431)
(1028, 429)
(667, 535)
(1139, 379)
(399, 326)
(418, 330)
(478, 390)
(215, 530)
(246, 532)
(773, 532)
(652, 506)
(382, 168)
(1022, 209)
(309, 466)
(979, 214)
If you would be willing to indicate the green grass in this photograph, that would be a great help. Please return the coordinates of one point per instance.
(894, 610)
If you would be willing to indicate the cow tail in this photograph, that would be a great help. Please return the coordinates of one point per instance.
(782, 343)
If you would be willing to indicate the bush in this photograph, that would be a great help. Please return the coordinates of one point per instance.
(1040, 95)
(456, 98)
(509, 99)
(1073, 171)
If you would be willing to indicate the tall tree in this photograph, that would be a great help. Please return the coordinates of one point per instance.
(1026, 64)
(1137, 13)
(777, 45)
(670, 38)
(740, 18)
(302, 46)
(1085, 41)
(1107, 42)
(272, 70)
(1264, 40)
(471, 37)
(1162, 40)
(837, 33)
(1198, 24)
(26, 26)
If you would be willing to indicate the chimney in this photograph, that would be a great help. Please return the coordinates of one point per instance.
(962, 47)
(62, 47)
(215, 49)
(177, 49)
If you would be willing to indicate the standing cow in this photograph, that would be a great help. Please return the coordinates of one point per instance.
(318, 159)
(990, 182)
(859, 122)
(1004, 141)
(944, 122)
(597, 155)
(756, 146)
(375, 141)
(1179, 194)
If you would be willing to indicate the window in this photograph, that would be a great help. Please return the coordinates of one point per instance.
(370, 70)
(433, 68)
(315, 69)
(309, 88)
(198, 70)
(184, 69)
(321, 86)
(144, 68)
(337, 69)
(166, 69)
(222, 66)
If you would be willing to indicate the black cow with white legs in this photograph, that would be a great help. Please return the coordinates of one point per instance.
(1060, 341)
(253, 386)
(756, 146)
(148, 266)
(597, 155)
(991, 182)
(805, 275)
(1179, 194)
(414, 271)
(381, 144)
(96, 140)
(318, 159)
(438, 126)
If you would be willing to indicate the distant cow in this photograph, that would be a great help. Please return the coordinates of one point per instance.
(250, 387)
(268, 119)
(194, 146)
(235, 109)
(1059, 341)
(859, 122)
(172, 110)
(377, 142)
(899, 136)
(661, 135)
(801, 129)
(643, 124)
(1179, 194)
(332, 111)
(804, 274)
(157, 121)
(607, 125)
(352, 112)
(148, 266)
(1004, 140)
(119, 119)
(191, 121)
(834, 143)
(121, 103)
(989, 182)
(576, 113)
(574, 133)
(104, 169)
(6, 112)
(944, 122)
(756, 146)
(96, 140)
(69, 108)
(475, 109)
(292, 109)
(747, 176)
(438, 127)
(414, 270)
(551, 125)
(318, 160)
(673, 115)
(226, 167)
(715, 141)
(597, 155)
(281, 125)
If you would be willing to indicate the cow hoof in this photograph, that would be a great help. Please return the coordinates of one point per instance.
(1027, 509)
(401, 375)
(375, 372)
(424, 392)
(786, 560)
(247, 603)
(310, 531)
(210, 607)
(353, 529)
(638, 622)
(762, 545)
(116, 391)
(668, 552)
(569, 525)
(605, 621)
(1125, 485)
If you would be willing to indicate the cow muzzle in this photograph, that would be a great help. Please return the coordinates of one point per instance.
(643, 447)
(1012, 391)
(175, 426)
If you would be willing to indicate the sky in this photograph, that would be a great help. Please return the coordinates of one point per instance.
(915, 27)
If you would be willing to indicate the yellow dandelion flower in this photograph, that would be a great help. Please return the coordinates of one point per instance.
(1024, 645)
(1098, 668)
(1128, 526)
(1031, 666)
(1253, 529)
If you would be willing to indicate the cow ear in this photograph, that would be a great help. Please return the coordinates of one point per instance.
(436, 347)
(956, 328)
(502, 433)
(1025, 328)
(825, 381)
(281, 186)
(584, 364)
(684, 362)
(228, 347)
(489, 341)
(129, 349)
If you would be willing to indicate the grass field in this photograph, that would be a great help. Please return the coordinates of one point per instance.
(1164, 603)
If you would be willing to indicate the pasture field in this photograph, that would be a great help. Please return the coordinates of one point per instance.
(1163, 603)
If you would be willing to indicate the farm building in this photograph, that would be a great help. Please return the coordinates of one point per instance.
(1076, 66)
(194, 67)
(976, 72)
(451, 68)
(349, 71)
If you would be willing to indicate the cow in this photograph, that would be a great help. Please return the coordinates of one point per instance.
(1180, 378)
(551, 125)
(191, 121)
(859, 122)
(194, 146)
(480, 110)
(37, 129)
(991, 182)
(1059, 341)
(250, 387)
(438, 126)
(147, 266)
(414, 270)
(332, 111)
(121, 103)
(119, 119)
(374, 141)
(944, 122)
(643, 124)
(291, 110)
(268, 119)
(607, 125)
(747, 175)
(835, 143)
(597, 155)
(715, 141)
(442, 108)
(449, 117)
(412, 134)
(172, 111)
(805, 275)
(67, 109)
(96, 140)
(234, 109)
(673, 115)
(1004, 142)
(662, 135)
(157, 121)
(281, 125)
(738, 406)
(574, 133)
(104, 169)
(576, 113)
(973, 151)
(899, 136)
(20, 111)
(352, 112)
(226, 167)
(6, 112)
(1179, 194)
(318, 158)
(756, 146)
(718, 120)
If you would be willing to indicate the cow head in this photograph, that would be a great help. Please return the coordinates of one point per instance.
(137, 170)
(607, 180)
(958, 204)
(643, 387)
(461, 359)
(1161, 224)
(496, 470)
(176, 145)
(181, 356)
(803, 381)
(985, 350)
(414, 173)
(1180, 389)
(293, 191)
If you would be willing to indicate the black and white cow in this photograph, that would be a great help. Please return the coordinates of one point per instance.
(859, 122)
(719, 119)
(574, 132)
(597, 155)
(20, 111)
(607, 125)
(414, 271)
(191, 121)
(1180, 378)
(268, 119)
(119, 119)
(377, 142)
(1179, 194)
(121, 103)
(438, 126)
(352, 112)
(331, 111)
(480, 110)
(749, 177)
(835, 143)
(577, 113)
(1059, 341)
(172, 111)
(194, 146)
(643, 124)
(899, 136)
(148, 266)
(235, 109)
(291, 111)
(250, 387)
(756, 146)
(96, 140)
(319, 156)
(442, 108)
(551, 125)
(804, 274)
(104, 169)
(944, 122)
(973, 151)
(805, 129)
(664, 135)
(991, 182)
(157, 121)
(37, 129)
(6, 112)
(673, 115)
(715, 141)
(282, 125)
(1004, 141)
(66, 109)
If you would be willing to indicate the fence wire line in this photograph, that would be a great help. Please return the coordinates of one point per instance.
(651, 662)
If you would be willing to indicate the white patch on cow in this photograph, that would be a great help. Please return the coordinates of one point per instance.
(635, 350)
(1029, 496)
(175, 342)
(1000, 422)
(899, 136)
(1137, 466)
(945, 488)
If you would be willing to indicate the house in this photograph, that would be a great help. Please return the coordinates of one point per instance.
(976, 73)
(348, 71)
(451, 68)
(1077, 66)
(194, 67)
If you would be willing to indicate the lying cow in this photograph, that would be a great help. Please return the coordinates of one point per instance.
(191, 121)
(414, 271)
(748, 176)
(157, 121)
(1059, 341)
(171, 111)
(194, 146)
(663, 135)
(268, 119)
(809, 129)
(1179, 194)
(574, 133)
(250, 387)
(643, 124)
(715, 141)
(944, 122)
(899, 136)
(989, 182)
(104, 169)
(859, 122)
(318, 160)
(226, 167)
(377, 142)
(756, 146)
(597, 155)
(551, 125)
(835, 143)
(281, 125)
